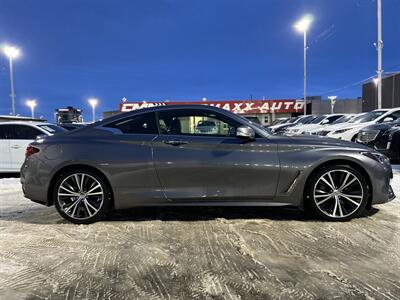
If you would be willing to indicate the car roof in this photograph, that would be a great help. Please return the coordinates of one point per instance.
(157, 108)
(32, 123)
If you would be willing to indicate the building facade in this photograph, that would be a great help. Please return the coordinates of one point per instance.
(261, 111)
(390, 93)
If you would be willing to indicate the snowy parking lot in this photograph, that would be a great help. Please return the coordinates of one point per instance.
(205, 253)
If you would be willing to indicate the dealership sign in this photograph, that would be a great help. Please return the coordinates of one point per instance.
(235, 106)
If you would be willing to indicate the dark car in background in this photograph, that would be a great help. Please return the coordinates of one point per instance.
(383, 137)
(71, 126)
(281, 128)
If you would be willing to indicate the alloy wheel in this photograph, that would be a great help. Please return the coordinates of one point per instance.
(338, 193)
(80, 196)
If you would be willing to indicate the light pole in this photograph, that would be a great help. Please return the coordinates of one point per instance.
(93, 103)
(379, 46)
(302, 26)
(333, 101)
(32, 104)
(11, 53)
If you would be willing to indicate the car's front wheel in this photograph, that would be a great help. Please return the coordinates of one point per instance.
(82, 196)
(337, 193)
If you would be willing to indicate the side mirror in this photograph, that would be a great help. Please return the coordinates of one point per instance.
(324, 122)
(245, 132)
(388, 120)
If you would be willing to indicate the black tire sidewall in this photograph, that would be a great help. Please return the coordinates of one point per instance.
(106, 201)
(312, 207)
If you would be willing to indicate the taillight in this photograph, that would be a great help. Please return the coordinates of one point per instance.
(30, 150)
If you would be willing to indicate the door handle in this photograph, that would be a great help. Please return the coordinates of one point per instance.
(15, 147)
(175, 142)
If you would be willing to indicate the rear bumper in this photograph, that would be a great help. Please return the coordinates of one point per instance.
(34, 185)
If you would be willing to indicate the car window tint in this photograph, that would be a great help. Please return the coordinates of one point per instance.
(394, 115)
(24, 132)
(4, 132)
(196, 122)
(139, 124)
(333, 118)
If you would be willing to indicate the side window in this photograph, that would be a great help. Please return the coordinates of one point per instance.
(196, 122)
(332, 119)
(4, 132)
(23, 132)
(139, 124)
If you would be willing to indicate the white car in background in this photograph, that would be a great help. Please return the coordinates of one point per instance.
(338, 123)
(15, 138)
(349, 131)
(280, 128)
(317, 123)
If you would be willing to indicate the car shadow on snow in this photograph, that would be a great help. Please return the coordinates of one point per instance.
(9, 175)
(193, 213)
(41, 215)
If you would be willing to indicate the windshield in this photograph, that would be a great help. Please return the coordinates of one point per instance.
(317, 120)
(343, 119)
(368, 117)
(52, 128)
(280, 121)
(305, 120)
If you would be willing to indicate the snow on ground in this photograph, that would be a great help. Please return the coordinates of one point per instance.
(395, 183)
(9, 185)
(205, 253)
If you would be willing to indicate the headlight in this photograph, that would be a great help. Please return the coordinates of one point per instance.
(380, 158)
(342, 130)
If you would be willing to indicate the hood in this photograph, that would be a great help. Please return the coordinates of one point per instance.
(323, 142)
(353, 126)
(334, 127)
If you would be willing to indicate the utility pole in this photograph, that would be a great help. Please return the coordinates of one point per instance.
(305, 72)
(12, 85)
(379, 46)
(302, 26)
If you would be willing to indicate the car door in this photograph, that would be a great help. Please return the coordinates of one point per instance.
(130, 149)
(195, 164)
(5, 156)
(21, 136)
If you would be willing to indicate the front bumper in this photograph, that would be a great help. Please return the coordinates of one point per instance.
(382, 192)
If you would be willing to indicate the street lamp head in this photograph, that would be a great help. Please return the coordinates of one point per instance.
(93, 102)
(11, 52)
(31, 103)
(332, 97)
(375, 80)
(304, 23)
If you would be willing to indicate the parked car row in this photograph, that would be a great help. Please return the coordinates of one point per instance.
(378, 129)
(15, 138)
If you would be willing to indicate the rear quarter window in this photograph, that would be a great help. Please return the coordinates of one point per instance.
(4, 132)
(23, 132)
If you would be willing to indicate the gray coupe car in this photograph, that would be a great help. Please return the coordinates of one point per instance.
(157, 157)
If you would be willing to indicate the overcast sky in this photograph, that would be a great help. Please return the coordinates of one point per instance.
(188, 49)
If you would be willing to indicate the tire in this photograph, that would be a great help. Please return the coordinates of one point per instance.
(82, 205)
(350, 200)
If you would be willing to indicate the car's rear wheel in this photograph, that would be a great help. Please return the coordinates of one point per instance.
(82, 196)
(337, 193)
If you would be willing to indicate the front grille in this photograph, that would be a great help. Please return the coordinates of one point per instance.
(367, 136)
